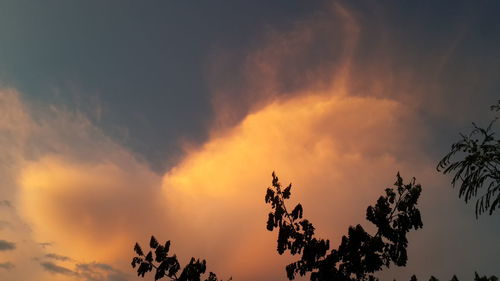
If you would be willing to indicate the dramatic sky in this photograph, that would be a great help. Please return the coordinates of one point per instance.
(121, 119)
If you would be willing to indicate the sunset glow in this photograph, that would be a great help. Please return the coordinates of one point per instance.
(335, 98)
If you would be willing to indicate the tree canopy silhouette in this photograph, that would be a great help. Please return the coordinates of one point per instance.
(360, 254)
(475, 162)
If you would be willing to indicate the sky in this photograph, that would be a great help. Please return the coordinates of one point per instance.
(123, 119)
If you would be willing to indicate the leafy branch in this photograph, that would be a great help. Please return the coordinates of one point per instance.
(477, 167)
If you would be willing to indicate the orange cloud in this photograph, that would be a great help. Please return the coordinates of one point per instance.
(339, 151)
(88, 207)
(73, 189)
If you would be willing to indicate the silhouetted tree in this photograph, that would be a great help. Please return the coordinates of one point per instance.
(454, 278)
(360, 254)
(484, 278)
(475, 162)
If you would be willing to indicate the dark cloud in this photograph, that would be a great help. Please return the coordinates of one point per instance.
(6, 245)
(6, 203)
(168, 75)
(54, 268)
(58, 257)
(7, 265)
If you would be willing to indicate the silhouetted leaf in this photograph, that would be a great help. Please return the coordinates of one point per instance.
(138, 249)
(135, 261)
(153, 243)
(297, 212)
(167, 246)
(286, 192)
(270, 222)
(149, 257)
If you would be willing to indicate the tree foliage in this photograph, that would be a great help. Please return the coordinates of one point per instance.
(474, 161)
(360, 254)
(454, 278)
(484, 278)
(168, 266)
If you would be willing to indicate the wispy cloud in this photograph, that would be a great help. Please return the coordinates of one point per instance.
(6, 203)
(87, 271)
(7, 265)
(93, 266)
(58, 257)
(100, 272)
(4, 224)
(6, 245)
(54, 268)
(45, 244)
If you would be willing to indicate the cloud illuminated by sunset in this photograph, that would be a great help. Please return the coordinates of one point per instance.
(305, 101)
